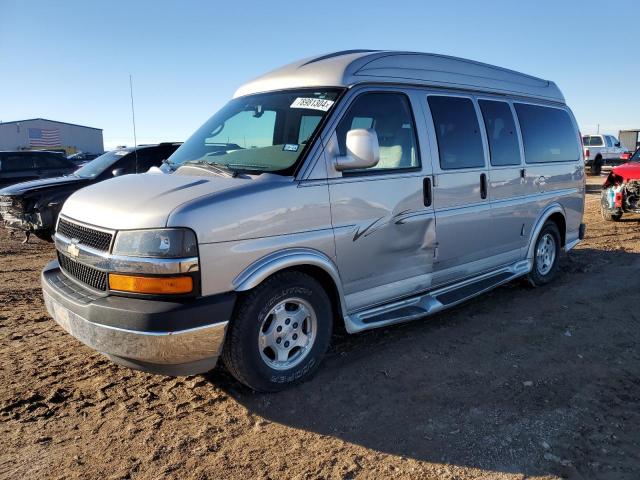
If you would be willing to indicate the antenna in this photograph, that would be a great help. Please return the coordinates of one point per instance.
(133, 118)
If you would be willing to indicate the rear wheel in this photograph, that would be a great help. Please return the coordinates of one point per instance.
(545, 255)
(279, 333)
(596, 167)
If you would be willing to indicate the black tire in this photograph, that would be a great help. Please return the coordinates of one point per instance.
(536, 277)
(241, 353)
(45, 235)
(596, 167)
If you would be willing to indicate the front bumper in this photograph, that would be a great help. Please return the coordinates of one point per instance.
(170, 338)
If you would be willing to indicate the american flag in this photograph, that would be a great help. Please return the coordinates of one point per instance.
(44, 137)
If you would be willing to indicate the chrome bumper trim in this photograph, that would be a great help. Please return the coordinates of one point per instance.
(124, 264)
(160, 348)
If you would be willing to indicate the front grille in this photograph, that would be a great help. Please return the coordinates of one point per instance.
(86, 236)
(87, 275)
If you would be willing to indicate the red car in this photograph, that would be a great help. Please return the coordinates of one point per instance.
(621, 190)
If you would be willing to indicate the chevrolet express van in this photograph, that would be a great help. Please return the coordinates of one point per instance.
(364, 187)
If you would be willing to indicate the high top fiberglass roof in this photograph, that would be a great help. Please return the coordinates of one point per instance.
(343, 69)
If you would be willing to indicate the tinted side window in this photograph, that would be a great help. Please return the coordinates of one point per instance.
(609, 142)
(389, 114)
(547, 134)
(457, 132)
(501, 132)
(15, 163)
(149, 157)
(127, 162)
(46, 161)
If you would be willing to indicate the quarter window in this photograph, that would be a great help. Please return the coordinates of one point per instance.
(501, 132)
(457, 132)
(547, 134)
(389, 114)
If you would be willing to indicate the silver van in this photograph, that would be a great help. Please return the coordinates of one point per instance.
(364, 187)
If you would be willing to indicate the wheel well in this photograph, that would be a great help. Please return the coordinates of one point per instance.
(560, 222)
(327, 283)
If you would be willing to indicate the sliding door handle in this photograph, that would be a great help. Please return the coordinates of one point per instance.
(427, 192)
(483, 186)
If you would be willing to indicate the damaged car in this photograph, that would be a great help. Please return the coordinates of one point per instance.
(621, 190)
(33, 207)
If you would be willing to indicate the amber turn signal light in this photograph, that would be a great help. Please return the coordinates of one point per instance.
(152, 285)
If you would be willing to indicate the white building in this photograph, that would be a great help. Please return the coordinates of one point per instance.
(40, 133)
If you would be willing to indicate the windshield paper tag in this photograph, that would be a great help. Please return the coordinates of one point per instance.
(290, 147)
(312, 103)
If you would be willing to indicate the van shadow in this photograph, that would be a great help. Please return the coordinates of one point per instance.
(489, 384)
(592, 188)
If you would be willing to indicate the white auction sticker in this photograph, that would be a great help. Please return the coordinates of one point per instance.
(312, 103)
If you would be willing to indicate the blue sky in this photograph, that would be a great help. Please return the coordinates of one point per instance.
(71, 60)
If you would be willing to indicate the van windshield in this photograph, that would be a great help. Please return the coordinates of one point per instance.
(267, 132)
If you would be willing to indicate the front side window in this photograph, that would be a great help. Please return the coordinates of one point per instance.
(609, 142)
(259, 133)
(501, 133)
(547, 134)
(457, 132)
(389, 115)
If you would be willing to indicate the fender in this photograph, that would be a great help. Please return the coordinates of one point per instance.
(542, 218)
(266, 266)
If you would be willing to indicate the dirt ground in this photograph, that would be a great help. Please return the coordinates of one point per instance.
(520, 383)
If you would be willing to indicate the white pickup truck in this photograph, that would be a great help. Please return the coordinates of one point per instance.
(600, 150)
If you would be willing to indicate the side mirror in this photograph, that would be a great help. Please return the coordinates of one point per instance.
(618, 144)
(116, 172)
(363, 150)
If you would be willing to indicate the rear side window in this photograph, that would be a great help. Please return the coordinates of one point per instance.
(501, 132)
(547, 134)
(457, 132)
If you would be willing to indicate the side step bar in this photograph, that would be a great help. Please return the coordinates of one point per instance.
(433, 301)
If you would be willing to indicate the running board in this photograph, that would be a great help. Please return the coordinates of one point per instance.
(433, 301)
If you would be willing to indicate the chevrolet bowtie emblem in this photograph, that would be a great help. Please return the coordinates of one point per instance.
(72, 248)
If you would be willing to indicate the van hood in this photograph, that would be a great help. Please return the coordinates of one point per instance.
(143, 200)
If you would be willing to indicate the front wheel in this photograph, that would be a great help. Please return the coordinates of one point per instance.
(545, 255)
(279, 333)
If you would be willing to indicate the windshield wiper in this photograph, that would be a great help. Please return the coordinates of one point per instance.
(218, 167)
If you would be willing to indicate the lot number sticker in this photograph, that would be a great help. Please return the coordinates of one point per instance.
(312, 103)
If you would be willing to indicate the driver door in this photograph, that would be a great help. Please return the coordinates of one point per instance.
(384, 233)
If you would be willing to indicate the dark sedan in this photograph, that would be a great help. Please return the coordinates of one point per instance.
(33, 207)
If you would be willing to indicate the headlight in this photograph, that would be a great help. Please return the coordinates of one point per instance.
(161, 243)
